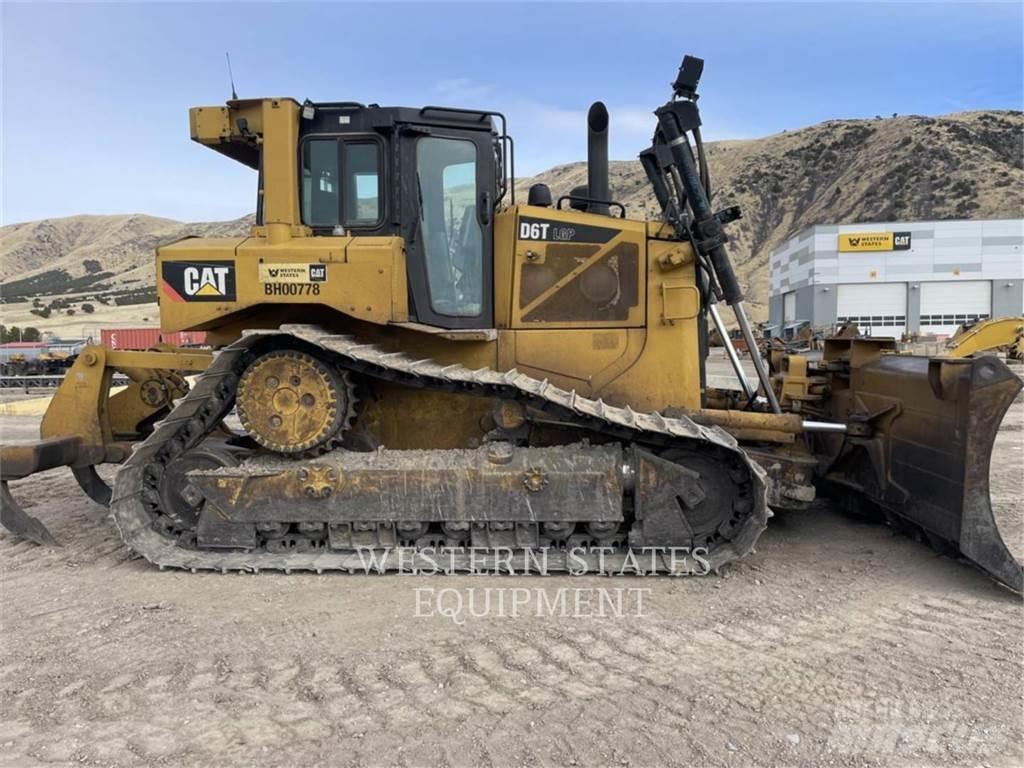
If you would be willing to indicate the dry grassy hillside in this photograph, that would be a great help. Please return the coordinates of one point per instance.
(107, 255)
(966, 165)
(962, 166)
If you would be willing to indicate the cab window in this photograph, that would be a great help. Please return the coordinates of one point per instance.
(340, 183)
(362, 184)
(451, 233)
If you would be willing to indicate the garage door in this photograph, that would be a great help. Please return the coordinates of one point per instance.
(947, 305)
(878, 309)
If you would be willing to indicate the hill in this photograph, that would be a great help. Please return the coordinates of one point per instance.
(107, 255)
(968, 165)
(964, 165)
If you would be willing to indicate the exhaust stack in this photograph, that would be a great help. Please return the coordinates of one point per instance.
(597, 158)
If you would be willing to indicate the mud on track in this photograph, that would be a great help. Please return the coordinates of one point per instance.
(837, 643)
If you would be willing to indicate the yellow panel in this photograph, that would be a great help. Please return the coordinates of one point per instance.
(541, 233)
(667, 373)
(209, 125)
(648, 369)
(578, 358)
(504, 252)
(363, 277)
(280, 166)
(217, 124)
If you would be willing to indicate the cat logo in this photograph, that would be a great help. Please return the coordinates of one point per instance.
(901, 241)
(206, 281)
(198, 280)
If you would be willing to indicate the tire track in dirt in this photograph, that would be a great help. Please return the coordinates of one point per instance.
(905, 658)
(611, 659)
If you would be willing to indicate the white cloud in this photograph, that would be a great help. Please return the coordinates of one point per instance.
(463, 91)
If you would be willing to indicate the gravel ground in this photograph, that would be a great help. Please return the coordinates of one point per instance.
(837, 643)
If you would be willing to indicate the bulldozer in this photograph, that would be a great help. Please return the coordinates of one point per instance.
(407, 360)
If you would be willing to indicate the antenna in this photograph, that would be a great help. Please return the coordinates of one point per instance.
(231, 77)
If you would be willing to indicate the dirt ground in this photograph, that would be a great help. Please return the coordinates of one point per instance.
(837, 643)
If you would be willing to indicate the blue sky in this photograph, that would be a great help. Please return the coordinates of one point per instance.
(95, 97)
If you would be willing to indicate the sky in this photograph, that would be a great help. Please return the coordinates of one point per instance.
(95, 97)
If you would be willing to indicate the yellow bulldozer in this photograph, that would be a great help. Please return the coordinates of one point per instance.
(407, 360)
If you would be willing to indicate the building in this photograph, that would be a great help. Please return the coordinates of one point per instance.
(891, 277)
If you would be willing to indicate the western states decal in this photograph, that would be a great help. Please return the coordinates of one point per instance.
(292, 279)
(199, 280)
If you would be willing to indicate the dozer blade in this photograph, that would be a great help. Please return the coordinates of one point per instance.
(21, 460)
(930, 425)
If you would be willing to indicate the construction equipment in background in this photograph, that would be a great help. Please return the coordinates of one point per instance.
(1004, 334)
(735, 337)
(418, 361)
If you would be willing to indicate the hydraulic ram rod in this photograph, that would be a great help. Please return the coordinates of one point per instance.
(730, 351)
(708, 229)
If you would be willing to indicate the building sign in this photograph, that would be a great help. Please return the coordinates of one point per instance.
(901, 241)
(874, 241)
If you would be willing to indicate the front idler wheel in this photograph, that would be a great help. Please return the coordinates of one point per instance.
(179, 499)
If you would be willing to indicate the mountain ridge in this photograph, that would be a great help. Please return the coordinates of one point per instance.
(963, 165)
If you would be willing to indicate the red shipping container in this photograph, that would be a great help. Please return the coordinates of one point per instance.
(146, 338)
(185, 338)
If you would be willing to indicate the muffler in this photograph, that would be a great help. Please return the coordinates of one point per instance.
(598, 186)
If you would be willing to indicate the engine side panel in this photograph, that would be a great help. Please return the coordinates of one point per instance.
(207, 283)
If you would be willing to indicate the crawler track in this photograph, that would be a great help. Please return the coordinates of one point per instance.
(147, 530)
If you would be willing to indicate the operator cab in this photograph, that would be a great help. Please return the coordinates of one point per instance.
(433, 176)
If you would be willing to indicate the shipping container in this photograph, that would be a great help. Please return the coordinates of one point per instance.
(146, 338)
(185, 338)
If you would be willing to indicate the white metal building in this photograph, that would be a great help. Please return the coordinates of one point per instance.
(891, 277)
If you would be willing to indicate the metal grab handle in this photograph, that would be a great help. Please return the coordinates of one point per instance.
(580, 198)
(485, 208)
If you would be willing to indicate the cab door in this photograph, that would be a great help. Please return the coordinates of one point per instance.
(448, 197)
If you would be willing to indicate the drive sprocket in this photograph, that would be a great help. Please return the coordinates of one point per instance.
(293, 403)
